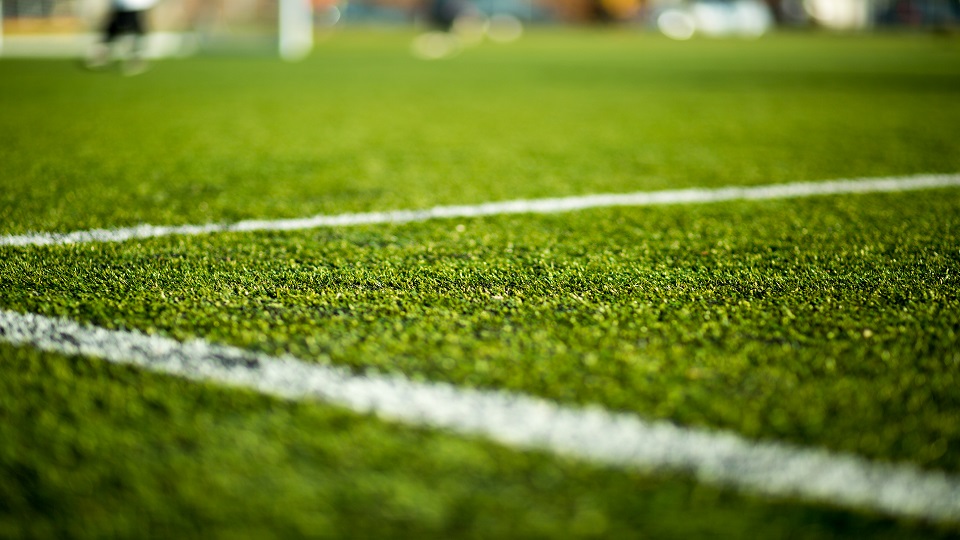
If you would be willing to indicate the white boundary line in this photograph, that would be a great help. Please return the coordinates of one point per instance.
(535, 206)
(522, 422)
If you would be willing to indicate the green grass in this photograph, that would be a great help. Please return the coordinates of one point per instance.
(112, 451)
(363, 125)
(830, 322)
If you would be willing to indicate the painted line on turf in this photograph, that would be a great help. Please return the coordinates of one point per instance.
(532, 206)
(523, 422)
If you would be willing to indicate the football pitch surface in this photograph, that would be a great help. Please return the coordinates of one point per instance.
(822, 326)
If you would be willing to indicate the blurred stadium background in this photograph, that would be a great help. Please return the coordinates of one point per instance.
(184, 27)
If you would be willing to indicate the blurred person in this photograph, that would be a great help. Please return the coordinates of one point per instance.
(452, 25)
(442, 14)
(126, 17)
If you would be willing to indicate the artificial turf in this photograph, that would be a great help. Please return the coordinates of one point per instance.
(362, 125)
(828, 322)
(115, 452)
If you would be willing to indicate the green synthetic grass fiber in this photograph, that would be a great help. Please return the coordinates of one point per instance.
(114, 452)
(362, 125)
(830, 322)
(810, 321)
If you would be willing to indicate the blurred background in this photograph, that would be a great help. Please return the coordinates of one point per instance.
(184, 27)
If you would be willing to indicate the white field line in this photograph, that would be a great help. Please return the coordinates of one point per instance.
(591, 434)
(534, 206)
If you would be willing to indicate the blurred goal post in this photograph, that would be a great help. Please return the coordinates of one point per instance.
(177, 27)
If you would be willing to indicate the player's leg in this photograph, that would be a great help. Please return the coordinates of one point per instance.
(100, 52)
(136, 25)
